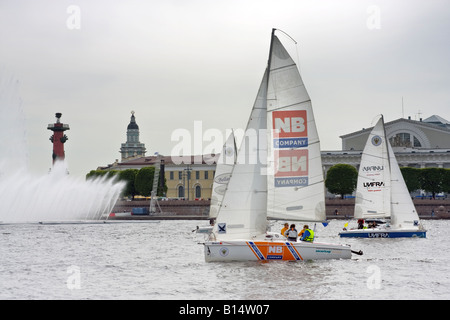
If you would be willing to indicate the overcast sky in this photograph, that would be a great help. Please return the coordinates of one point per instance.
(178, 61)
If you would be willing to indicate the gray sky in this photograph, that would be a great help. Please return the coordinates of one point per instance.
(178, 61)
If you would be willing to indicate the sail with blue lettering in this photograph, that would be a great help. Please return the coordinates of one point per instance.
(373, 192)
(296, 189)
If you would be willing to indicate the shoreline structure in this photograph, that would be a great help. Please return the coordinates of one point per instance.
(199, 209)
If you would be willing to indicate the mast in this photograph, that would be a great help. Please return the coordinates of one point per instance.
(386, 143)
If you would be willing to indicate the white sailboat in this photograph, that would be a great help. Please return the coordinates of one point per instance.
(277, 175)
(382, 193)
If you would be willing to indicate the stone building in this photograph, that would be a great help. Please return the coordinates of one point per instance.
(418, 144)
(190, 180)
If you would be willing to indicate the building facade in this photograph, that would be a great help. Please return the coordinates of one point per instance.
(417, 144)
(193, 179)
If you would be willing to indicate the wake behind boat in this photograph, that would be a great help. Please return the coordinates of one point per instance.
(382, 193)
(278, 174)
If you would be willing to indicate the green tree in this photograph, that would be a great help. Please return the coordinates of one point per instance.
(341, 179)
(144, 181)
(446, 181)
(129, 176)
(432, 180)
(412, 178)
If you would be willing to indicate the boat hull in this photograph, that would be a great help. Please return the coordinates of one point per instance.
(242, 250)
(383, 233)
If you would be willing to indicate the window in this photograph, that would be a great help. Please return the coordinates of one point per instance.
(197, 175)
(417, 143)
(198, 191)
(171, 175)
(180, 175)
(206, 175)
(180, 192)
(401, 140)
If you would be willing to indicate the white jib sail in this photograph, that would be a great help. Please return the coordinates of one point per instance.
(243, 211)
(224, 167)
(403, 211)
(296, 189)
(373, 192)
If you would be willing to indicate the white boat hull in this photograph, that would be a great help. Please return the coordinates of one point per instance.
(243, 250)
(384, 233)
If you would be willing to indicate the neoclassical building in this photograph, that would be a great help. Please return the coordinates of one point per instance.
(418, 144)
(192, 179)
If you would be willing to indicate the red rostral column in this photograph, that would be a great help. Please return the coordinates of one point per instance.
(58, 138)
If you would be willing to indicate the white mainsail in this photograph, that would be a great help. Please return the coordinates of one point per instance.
(296, 189)
(224, 166)
(373, 193)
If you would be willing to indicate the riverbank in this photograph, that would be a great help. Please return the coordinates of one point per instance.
(199, 209)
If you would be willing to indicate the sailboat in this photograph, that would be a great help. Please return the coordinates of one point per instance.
(382, 193)
(277, 175)
(224, 166)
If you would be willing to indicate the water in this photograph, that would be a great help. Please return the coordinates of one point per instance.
(163, 261)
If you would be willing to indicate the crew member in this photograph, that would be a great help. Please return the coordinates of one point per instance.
(308, 234)
(291, 234)
(285, 228)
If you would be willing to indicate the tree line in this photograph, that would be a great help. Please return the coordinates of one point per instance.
(138, 182)
(342, 179)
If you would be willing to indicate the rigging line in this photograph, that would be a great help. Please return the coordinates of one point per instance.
(296, 47)
(287, 35)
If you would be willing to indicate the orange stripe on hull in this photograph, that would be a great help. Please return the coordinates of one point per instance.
(264, 250)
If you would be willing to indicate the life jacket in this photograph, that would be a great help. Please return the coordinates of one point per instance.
(310, 237)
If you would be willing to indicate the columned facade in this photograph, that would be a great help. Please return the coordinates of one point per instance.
(416, 144)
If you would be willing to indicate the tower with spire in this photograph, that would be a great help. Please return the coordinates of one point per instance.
(132, 148)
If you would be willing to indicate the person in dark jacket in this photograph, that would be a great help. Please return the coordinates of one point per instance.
(291, 234)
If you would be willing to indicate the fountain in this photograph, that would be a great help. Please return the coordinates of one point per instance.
(53, 197)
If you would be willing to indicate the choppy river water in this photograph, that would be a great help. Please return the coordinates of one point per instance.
(163, 260)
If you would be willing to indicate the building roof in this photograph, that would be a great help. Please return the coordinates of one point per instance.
(209, 159)
(429, 122)
(133, 124)
(437, 120)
